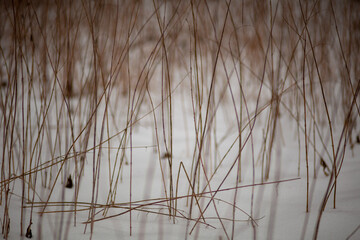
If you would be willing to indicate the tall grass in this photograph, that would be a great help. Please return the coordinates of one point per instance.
(81, 80)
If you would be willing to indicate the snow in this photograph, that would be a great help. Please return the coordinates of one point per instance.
(278, 208)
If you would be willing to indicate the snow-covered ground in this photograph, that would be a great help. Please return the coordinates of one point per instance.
(278, 206)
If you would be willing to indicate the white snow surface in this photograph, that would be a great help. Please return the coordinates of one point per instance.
(278, 209)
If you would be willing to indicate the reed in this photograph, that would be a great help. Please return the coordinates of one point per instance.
(182, 110)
